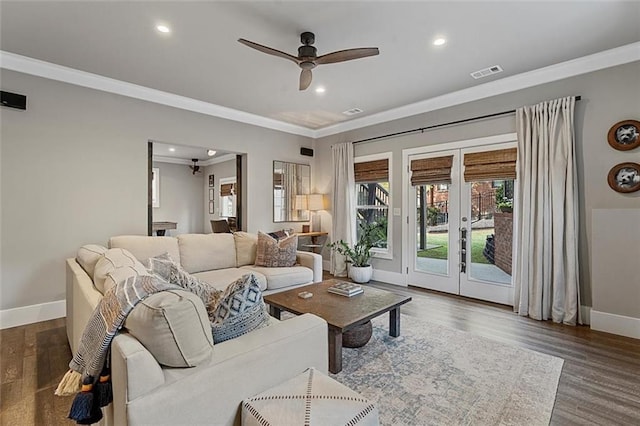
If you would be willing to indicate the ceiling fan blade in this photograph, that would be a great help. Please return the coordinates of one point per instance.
(305, 79)
(268, 50)
(347, 55)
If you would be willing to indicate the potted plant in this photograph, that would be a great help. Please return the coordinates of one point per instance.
(503, 204)
(359, 255)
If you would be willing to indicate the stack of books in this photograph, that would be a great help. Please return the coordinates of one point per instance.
(344, 288)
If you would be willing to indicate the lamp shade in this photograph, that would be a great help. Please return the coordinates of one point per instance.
(316, 202)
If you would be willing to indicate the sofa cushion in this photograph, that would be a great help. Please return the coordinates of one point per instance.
(282, 277)
(246, 245)
(240, 310)
(173, 326)
(114, 266)
(165, 268)
(223, 278)
(204, 252)
(276, 253)
(88, 256)
(144, 247)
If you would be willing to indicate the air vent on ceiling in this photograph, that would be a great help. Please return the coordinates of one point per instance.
(487, 71)
(352, 111)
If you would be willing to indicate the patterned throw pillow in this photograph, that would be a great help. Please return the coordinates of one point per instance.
(273, 253)
(164, 267)
(241, 310)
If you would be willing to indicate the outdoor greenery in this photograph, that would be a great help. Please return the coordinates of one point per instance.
(478, 239)
(502, 202)
(369, 236)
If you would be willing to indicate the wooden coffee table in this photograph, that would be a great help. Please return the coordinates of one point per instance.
(341, 313)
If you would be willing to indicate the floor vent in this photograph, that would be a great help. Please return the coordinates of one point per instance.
(352, 111)
(487, 71)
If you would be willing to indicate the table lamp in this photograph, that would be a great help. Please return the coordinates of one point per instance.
(316, 203)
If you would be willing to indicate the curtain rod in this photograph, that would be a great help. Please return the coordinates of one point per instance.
(450, 123)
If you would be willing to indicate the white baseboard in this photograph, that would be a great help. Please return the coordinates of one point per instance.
(616, 324)
(32, 313)
(585, 313)
(395, 278)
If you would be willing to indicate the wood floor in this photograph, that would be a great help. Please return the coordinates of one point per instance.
(600, 381)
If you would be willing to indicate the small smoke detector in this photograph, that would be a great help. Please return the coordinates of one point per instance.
(486, 72)
(352, 111)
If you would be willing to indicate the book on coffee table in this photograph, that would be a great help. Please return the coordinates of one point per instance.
(345, 289)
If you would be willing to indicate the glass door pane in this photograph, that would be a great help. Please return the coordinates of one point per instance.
(491, 231)
(432, 228)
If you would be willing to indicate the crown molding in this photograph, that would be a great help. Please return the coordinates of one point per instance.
(586, 64)
(26, 65)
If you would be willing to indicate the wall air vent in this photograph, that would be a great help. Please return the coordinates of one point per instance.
(487, 71)
(352, 111)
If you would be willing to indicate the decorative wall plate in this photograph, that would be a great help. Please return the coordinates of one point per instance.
(625, 177)
(625, 135)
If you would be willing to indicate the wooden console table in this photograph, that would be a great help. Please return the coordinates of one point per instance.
(161, 227)
(312, 241)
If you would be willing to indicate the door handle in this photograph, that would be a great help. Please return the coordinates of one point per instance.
(463, 250)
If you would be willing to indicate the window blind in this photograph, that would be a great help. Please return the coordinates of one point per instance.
(226, 189)
(372, 171)
(431, 170)
(490, 165)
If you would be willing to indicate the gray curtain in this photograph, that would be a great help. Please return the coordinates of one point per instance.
(546, 267)
(343, 203)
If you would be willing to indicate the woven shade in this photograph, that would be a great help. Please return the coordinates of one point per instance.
(431, 170)
(490, 165)
(372, 171)
(226, 189)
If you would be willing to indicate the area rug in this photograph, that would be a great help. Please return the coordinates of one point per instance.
(435, 375)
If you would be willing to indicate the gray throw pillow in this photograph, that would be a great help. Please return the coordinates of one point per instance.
(240, 310)
(164, 267)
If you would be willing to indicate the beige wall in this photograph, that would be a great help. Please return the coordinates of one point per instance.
(608, 96)
(180, 198)
(74, 171)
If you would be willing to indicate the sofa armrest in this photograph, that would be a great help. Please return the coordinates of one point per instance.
(312, 261)
(239, 368)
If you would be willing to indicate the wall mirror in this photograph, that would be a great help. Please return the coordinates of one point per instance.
(291, 185)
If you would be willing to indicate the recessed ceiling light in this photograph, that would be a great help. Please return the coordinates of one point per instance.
(172, 149)
(211, 152)
(320, 89)
(163, 28)
(439, 41)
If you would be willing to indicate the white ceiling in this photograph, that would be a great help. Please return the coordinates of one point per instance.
(184, 154)
(201, 58)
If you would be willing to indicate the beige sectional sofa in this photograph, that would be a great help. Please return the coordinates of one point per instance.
(165, 368)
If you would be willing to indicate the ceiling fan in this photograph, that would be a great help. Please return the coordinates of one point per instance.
(195, 168)
(308, 59)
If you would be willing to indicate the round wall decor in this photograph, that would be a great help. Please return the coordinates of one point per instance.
(625, 135)
(624, 177)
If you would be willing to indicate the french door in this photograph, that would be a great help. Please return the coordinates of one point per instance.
(459, 240)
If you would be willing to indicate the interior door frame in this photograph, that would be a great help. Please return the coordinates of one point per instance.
(406, 153)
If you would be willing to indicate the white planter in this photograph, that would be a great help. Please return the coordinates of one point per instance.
(360, 274)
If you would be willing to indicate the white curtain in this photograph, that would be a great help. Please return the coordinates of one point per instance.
(343, 203)
(546, 266)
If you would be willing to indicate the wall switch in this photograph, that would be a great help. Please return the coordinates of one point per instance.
(397, 211)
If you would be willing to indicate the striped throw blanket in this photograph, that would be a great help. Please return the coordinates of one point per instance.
(87, 368)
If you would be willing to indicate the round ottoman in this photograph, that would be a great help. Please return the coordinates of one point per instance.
(358, 336)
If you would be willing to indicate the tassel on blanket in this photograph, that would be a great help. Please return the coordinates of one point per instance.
(82, 405)
(70, 384)
(103, 389)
